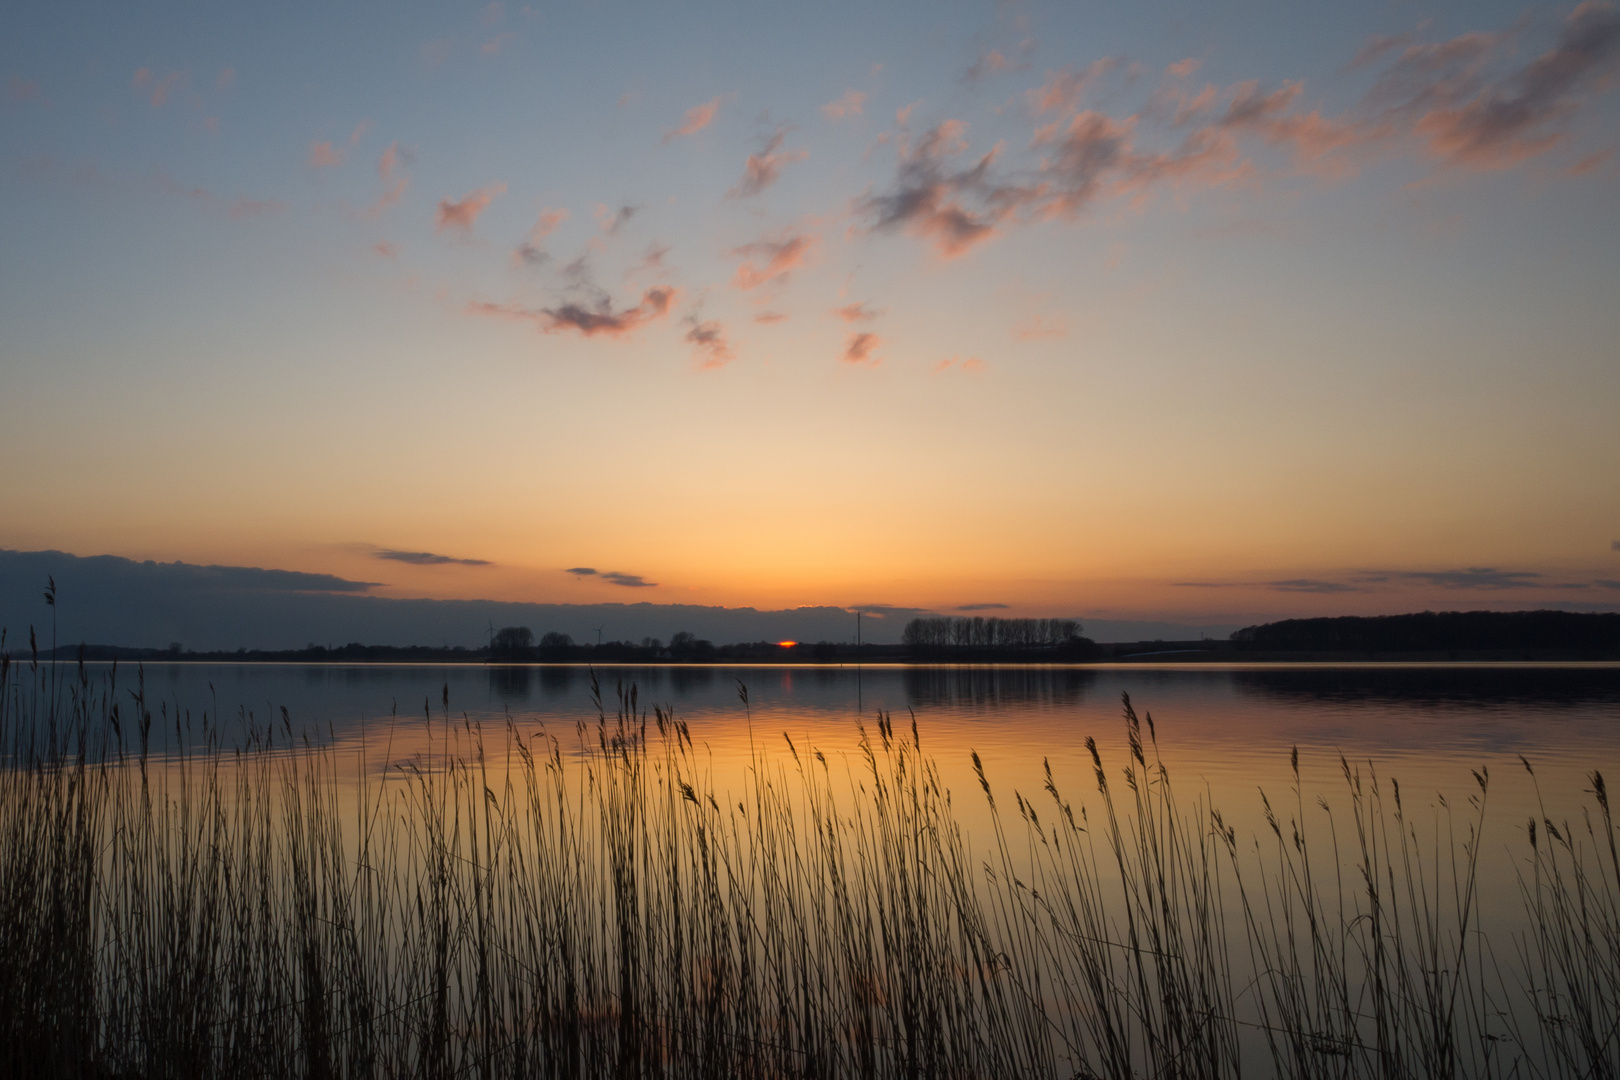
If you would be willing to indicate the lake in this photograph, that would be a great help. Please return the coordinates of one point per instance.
(805, 870)
(1225, 727)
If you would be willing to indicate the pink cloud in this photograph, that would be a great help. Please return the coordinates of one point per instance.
(771, 261)
(928, 200)
(609, 221)
(495, 44)
(1183, 68)
(853, 313)
(1470, 120)
(359, 132)
(994, 62)
(1036, 326)
(1064, 89)
(970, 365)
(1590, 163)
(861, 348)
(761, 170)
(461, 215)
(696, 119)
(238, 209)
(390, 168)
(851, 104)
(19, 90)
(322, 155)
(651, 262)
(598, 319)
(713, 351)
(532, 251)
(225, 79)
(160, 88)
(767, 318)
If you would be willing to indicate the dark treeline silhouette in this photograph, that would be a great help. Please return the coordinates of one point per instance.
(1566, 632)
(977, 637)
(509, 645)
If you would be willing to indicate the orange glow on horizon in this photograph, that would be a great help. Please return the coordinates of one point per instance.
(787, 644)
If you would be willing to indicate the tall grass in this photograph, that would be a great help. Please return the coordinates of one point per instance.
(187, 896)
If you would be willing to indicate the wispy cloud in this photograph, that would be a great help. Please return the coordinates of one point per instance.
(391, 168)
(769, 261)
(713, 351)
(768, 317)
(965, 364)
(1065, 88)
(1591, 163)
(651, 263)
(696, 119)
(460, 215)
(1470, 119)
(385, 249)
(761, 170)
(1311, 585)
(861, 348)
(1038, 325)
(1474, 577)
(588, 320)
(1453, 99)
(982, 607)
(994, 62)
(850, 105)
(156, 87)
(613, 577)
(19, 90)
(928, 198)
(238, 209)
(322, 155)
(532, 251)
(426, 558)
(610, 220)
(853, 313)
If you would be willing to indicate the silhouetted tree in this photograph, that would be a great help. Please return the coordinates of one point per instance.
(511, 643)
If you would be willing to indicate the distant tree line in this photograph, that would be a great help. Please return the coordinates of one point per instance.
(1444, 631)
(516, 644)
(981, 633)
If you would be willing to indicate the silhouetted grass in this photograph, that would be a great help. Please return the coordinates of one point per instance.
(595, 906)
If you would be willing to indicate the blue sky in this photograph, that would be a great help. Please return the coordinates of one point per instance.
(1142, 310)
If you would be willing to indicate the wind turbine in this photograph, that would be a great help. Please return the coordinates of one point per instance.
(598, 630)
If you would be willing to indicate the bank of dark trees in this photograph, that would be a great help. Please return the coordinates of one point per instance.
(975, 636)
(1564, 632)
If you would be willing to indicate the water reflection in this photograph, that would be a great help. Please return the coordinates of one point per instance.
(1461, 686)
(992, 688)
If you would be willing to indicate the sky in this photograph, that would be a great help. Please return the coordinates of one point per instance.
(1203, 312)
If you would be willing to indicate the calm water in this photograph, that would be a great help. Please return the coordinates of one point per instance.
(1224, 733)
(1224, 729)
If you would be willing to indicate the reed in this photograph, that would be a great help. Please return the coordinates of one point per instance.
(195, 896)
